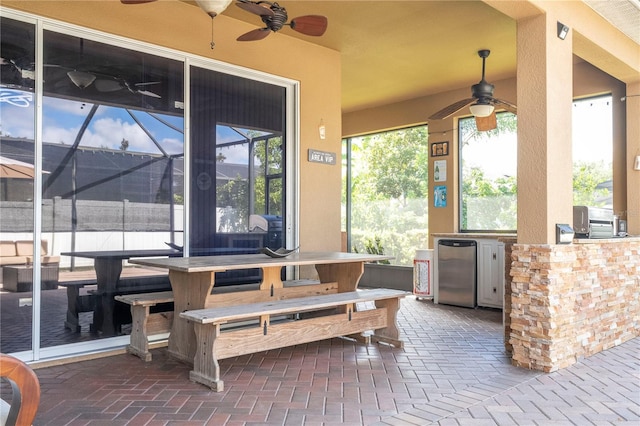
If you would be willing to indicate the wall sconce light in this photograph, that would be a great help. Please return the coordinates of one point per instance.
(563, 30)
(322, 130)
(636, 165)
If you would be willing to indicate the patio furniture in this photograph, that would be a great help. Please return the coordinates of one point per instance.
(193, 279)
(16, 260)
(108, 267)
(144, 323)
(21, 253)
(77, 303)
(334, 315)
(19, 278)
(25, 392)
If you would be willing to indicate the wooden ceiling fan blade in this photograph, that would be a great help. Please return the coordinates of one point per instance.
(136, 1)
(147, 83)
(148, 93)
(255, 8)
(107, 85)
(311, 25)
(257, 34)
(506, 105)
(451, 109)
(484, 124)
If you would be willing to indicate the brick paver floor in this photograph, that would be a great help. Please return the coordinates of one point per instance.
(453, 370)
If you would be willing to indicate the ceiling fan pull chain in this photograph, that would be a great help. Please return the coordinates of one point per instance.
(212, 43)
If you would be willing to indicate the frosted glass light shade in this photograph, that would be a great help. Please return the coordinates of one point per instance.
(481, 110)
(81, 79)
(213, 7)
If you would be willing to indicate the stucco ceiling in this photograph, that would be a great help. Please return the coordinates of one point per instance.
(396, 50)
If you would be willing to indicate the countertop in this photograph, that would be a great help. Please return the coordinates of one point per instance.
(606, 240)
(477, 236)
(513, 237)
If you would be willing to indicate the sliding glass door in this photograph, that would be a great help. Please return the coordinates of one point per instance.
(110, 164)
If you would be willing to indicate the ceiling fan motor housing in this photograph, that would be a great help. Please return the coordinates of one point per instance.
(482, 91)
(279, 18)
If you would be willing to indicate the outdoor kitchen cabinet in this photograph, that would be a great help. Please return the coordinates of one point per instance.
(491, 273)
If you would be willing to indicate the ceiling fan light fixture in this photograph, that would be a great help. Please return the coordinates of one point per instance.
(481, 110)
(213, 7)
(81, 79)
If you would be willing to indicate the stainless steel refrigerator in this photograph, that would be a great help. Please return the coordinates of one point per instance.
(457, 274)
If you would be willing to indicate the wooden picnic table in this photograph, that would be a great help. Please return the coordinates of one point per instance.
(193, 278)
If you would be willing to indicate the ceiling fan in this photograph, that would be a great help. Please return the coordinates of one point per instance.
(212, 7)
(481, 104)
(104, 83)
(113, 84)
(275, 17)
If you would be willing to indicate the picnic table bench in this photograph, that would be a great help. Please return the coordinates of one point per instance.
(145, 323)
(334, 315)
(108, 268)
(152, 313)
(193, 281)
(92, 300)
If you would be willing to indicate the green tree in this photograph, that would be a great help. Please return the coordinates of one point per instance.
(233, 197)
(389, 192)
(590, 184)
(396, 164)
(506, 123)
(496, 199)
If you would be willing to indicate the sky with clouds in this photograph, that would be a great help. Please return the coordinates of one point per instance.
(63, 118)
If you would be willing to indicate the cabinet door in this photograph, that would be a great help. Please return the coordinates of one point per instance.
(490, 273)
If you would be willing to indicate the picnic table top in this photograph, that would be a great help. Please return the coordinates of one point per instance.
(244, 261)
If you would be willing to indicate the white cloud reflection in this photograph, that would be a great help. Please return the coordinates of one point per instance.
(63, 119)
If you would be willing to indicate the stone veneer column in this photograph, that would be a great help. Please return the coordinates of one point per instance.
(572, 301)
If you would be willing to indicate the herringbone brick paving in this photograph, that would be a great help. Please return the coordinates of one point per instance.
(453, 370)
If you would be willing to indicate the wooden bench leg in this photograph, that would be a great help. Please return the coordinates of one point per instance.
(390, 334)
(139, 345)
(73, 318)
(206, 369)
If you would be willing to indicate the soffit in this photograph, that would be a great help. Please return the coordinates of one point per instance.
(623, 14)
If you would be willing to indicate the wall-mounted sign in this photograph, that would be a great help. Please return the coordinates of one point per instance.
(322, 157)
(440, 196)
(439, 149)
(440, 171)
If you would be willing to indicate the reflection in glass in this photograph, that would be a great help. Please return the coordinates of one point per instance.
(17, 172)
(113, 149)
(237, 165)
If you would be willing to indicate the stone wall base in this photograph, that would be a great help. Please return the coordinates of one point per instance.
(571, 301)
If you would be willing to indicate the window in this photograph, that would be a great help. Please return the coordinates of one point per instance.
(488, 175)
(385, 193)
(593, 152)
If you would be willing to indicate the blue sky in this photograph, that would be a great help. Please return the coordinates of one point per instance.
(62, 119)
